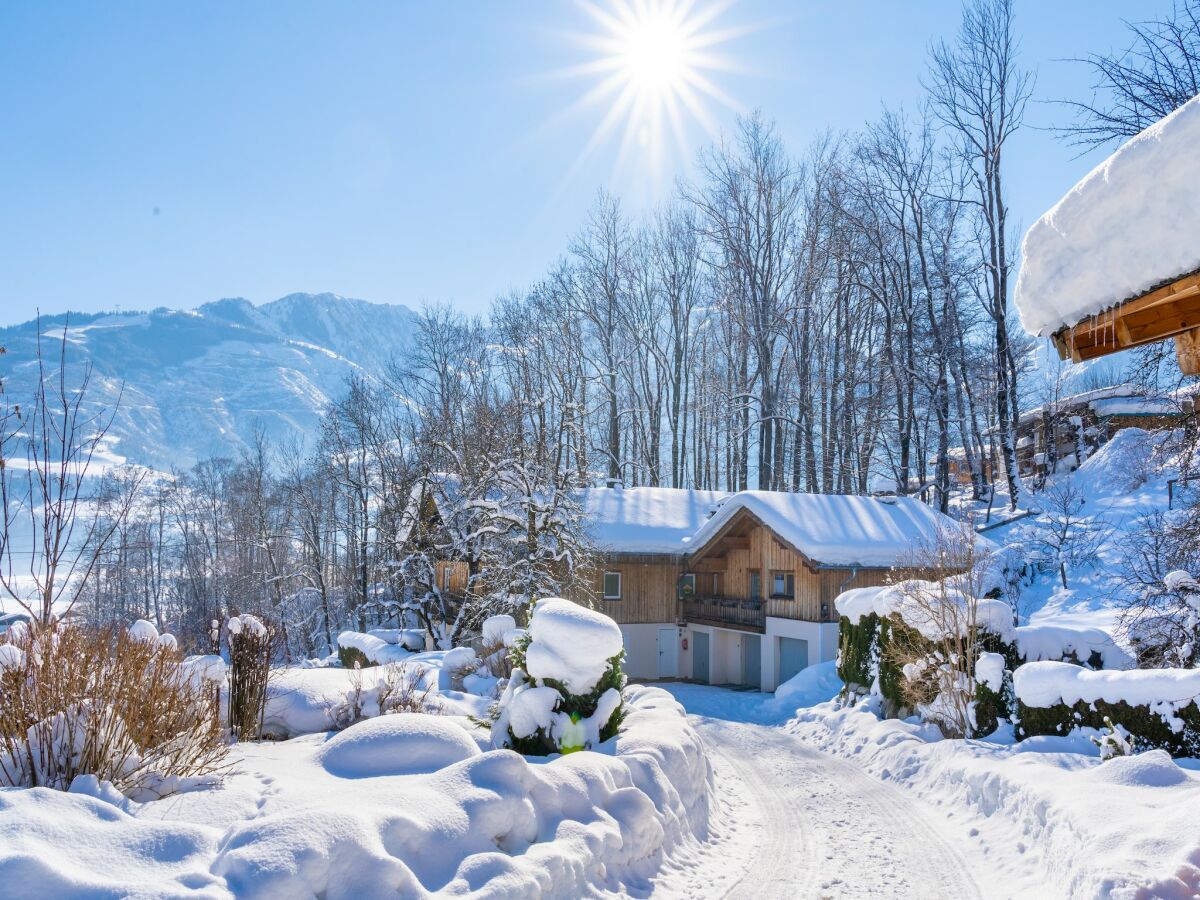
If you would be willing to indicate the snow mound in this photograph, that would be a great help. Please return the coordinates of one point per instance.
(902, 600)
(809, 686)
(375, 649)
(400, 744)
(571, 644)
(55, 844)
(1056, 642)
(204, 669)
(409, 638)
(1127, 227)
(1154, 768)
(496, 628)
(143, 630)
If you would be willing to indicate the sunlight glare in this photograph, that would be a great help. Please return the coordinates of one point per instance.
(652, 61)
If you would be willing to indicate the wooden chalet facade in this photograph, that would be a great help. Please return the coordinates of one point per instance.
(739, 588)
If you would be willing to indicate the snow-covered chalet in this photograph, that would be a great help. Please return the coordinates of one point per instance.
(738, 588)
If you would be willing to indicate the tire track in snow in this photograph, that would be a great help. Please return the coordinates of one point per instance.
(828, 829)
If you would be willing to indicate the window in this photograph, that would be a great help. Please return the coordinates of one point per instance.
(755, 584)
(612, 585)
(446, 577)
(783, 585)
(687, 586)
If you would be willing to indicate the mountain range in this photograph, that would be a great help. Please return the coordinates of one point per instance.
(197, 383)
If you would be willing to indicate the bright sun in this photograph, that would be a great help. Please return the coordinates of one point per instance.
(654, 61)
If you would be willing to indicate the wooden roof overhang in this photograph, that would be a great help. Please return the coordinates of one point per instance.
(1171, 310)
(735, 535)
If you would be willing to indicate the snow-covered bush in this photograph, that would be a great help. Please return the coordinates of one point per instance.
(355, 648)
(917, 643)
(1116, 741)
(565, 689)
(113, 704)
(1159, 708)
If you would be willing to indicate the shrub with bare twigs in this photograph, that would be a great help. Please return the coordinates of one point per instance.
(399, 689)
(81, 701)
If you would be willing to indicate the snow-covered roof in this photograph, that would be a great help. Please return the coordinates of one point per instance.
(646, 519)
(1074, 401)
(1135, 406)
(1129, 226)
(836, 529)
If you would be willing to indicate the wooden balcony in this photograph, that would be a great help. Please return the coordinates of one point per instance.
(726, 612)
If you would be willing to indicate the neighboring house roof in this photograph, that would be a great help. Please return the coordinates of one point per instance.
(646, 519)
(1135, 406)
(1129, 226)
(836, 529)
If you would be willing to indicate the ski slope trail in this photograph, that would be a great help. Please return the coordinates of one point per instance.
(818, 826)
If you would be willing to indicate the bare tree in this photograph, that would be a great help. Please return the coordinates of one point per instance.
(1155, 75)
(59, 435)
(978, 91)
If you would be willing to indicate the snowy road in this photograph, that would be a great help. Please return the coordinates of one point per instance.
(814, 825)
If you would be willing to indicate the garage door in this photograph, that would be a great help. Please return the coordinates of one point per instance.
(793, 656)
(752, 661)
(700, 657)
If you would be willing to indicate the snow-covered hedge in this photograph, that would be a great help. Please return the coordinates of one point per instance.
(368, 650)
(900, 601)
(1160, 708)
(565, 689)
(875, 618)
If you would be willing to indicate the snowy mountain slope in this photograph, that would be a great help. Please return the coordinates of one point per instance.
(196, 383)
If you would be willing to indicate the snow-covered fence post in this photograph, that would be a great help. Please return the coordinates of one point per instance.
(249, 669)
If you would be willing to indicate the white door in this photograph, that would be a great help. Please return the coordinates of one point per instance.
(668, 653)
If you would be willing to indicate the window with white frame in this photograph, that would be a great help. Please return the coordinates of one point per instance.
(612, 585)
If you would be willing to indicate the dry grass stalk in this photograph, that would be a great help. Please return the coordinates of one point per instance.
(86, 701)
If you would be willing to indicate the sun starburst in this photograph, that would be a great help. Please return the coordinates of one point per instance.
(653, 66)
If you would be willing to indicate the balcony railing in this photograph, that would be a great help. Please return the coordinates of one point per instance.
(750, 614)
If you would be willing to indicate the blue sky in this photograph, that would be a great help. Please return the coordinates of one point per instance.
(174, 153)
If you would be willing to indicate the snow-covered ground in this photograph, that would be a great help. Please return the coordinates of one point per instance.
(1121, 482)
(834, 801)
(404, 805)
